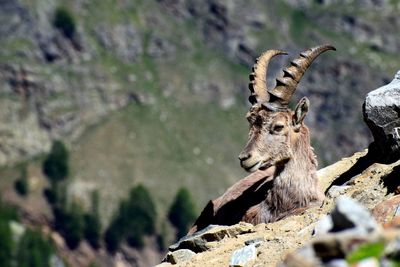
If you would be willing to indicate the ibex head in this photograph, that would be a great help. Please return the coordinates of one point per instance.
(275, 130)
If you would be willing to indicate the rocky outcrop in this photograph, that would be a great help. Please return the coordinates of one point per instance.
(36, 109)
(382, 114)
(370, 184)
(363, 29)
(123, 40)
(46, 89)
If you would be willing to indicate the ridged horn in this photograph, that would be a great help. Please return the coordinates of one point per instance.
(258, 83)
(286, 85)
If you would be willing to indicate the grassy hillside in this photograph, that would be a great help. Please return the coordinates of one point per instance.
(164, 148)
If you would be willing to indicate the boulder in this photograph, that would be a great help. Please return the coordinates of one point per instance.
(202, 240)
(381, 111)
(350, 215)
(179, 256)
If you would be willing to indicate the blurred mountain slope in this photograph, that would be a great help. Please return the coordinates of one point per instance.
(155, 91)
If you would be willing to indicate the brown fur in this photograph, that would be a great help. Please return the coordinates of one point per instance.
(284, 181)
(295, 183)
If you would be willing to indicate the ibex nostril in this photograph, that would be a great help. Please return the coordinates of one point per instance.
(244, 155)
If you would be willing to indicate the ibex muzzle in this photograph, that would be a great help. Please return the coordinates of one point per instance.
(274, 128)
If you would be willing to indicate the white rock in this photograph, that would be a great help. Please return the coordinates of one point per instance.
(242, 256)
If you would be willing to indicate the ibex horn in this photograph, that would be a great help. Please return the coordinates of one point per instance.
(286, 85)
(258, 80)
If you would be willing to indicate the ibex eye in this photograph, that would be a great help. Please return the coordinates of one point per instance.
(278, 127)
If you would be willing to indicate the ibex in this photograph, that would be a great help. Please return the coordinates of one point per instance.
(278, 152)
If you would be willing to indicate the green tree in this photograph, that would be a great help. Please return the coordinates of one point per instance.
(182, 212)
(140, 216)
(141, 210)
(136, 218)
(70, 223)
(92, 230)
(21, 184)
(73, 226)
(6, 244)
(162, 237)
(34, 250)
(65, 22)
(55, 166)
(113, 236)
(7, 213)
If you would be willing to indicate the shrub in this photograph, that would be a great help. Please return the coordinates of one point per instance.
(55, 166)
(21, 184)
(65, 22)
(34, 250)
(113, 236)
(70, 223)
(7, 213)
(182, 212)
(162, 237)
(73, 226)
(6, 244)
(50, 196)
(92, 230)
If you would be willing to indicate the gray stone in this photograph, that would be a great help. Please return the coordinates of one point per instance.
(323, 226)
(337, 190)
(56, 261)
(123, 40)
(179, 256)
(198, 242)
(368, 262)
(393, 248)
(242, 256)
(337, 263)
(164, 264)
(255, 241)
(195, 243)
(159, 47)
(347, 215)
(382, 114)
(350, 215)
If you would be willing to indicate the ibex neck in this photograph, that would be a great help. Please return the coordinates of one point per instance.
(295, 185)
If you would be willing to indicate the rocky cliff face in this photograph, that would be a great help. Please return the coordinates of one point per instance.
(47, 88)
(53, 86)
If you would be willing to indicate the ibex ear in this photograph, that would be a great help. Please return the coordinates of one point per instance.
(300, 112)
